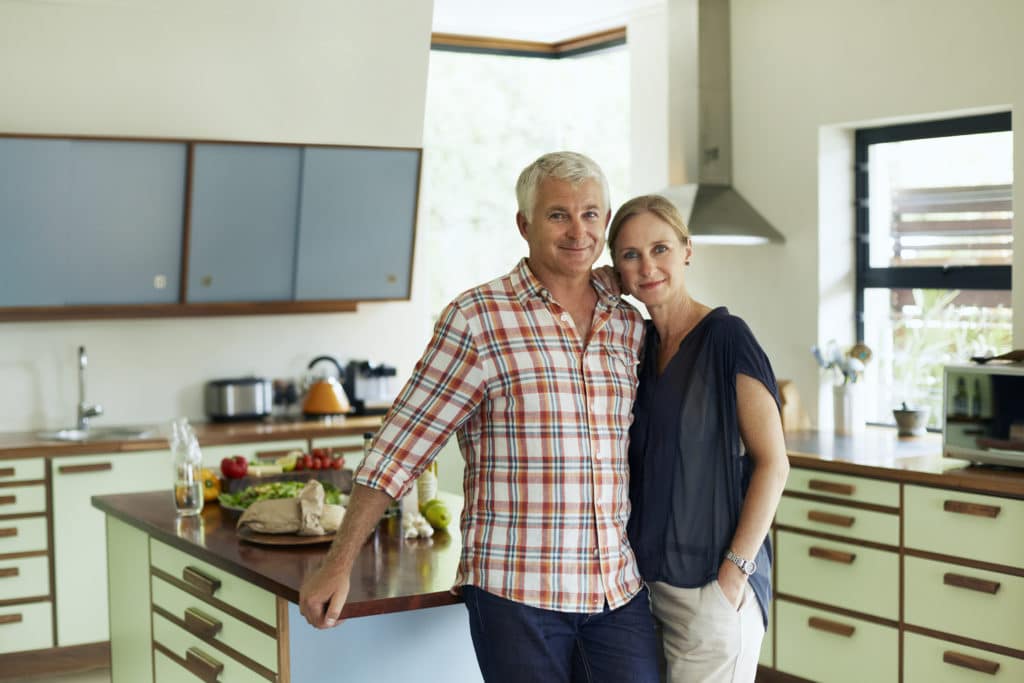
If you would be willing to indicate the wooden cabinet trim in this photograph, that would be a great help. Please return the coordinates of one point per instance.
(14, 618)
(6, 471)
(83, 469)
(845, 630)
(831, 555)
(9, 572)
(970, 583)
(975, 509)
(832, 487)
(830, 518)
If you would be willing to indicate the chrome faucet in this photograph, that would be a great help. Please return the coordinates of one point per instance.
(85, 411)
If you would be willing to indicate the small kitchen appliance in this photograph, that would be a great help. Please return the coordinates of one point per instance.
(371, 388)
(984, 413)
(243, 398)
(324, 395)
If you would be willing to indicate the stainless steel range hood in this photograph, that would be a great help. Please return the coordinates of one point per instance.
(700, 128)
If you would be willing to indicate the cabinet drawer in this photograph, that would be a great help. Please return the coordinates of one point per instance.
(936, 599)
(255, 601)
(24, 577)
(983, 528)
(207, 622)
(20, 500)
(822, 646)
(187, 649)
(844, 487)
(841, 574)
(26, 627)
(23, 469)
(22, 535)
(863, 525)
(928, 659)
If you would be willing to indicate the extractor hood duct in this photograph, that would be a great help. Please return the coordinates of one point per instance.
(700, 128)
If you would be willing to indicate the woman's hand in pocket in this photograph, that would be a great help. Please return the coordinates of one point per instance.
(733, 583)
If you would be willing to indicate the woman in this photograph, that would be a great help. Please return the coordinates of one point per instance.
(707, 457)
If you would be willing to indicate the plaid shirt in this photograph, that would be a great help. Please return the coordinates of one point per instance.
(543, 425)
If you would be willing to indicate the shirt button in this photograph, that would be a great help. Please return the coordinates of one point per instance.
(597, 456)
(566, 317)
(597, 552)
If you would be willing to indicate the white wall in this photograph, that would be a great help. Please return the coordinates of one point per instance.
(803, 73)
(319, 71)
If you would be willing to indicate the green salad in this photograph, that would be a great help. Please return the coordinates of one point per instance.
(278, 489)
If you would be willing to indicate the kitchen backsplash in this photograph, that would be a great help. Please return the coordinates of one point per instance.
(147, 371)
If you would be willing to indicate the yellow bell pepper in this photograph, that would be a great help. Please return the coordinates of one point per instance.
(211, 484)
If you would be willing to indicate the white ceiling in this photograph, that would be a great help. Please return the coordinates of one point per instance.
(546, 21)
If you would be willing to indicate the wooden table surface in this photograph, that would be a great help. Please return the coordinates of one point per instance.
(391, 574)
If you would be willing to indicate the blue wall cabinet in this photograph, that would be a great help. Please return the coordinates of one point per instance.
(90, 222)
(244, 215)
(356, 223)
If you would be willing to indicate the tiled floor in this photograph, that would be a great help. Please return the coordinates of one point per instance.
(98, 676)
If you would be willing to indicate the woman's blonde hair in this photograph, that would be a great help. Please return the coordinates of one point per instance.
(647, 203)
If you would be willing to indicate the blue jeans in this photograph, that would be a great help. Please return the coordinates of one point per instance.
(522, 644)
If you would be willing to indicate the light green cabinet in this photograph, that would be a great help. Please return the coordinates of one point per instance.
(128, 587)
(79, 533)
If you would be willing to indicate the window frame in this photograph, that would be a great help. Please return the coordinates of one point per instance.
(916, 277)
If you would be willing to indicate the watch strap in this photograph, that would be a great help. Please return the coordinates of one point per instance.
(746, 566)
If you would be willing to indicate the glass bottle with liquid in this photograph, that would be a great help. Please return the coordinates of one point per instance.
(188, 461)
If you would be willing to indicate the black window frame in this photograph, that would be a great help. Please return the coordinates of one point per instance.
(918, 277)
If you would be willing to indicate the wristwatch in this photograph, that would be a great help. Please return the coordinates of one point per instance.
(746, 566)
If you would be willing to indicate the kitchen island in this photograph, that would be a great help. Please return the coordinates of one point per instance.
(189, 595)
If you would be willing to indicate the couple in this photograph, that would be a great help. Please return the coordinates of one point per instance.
(538, 372)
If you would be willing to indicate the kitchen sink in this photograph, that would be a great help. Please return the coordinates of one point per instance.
(96, 434)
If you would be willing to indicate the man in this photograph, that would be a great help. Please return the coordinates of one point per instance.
(536, 371)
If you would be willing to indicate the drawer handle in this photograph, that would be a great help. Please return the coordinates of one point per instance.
(10, 618)
(970, 583)
(968, 662)
(831, 487)
(831, 626)
(829, 518)
(6, 471)
(198, 579)
(7, 572)
(82, 469)
(976, 509)
(9, 532)
(831, 555)
(201, 624)
(203, 665)
(8, 500)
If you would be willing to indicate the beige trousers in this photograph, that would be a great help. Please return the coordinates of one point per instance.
(705, 638)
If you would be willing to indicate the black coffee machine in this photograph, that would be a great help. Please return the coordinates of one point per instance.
(370, 388)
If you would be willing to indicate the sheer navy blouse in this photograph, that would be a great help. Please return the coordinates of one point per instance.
(689, 472)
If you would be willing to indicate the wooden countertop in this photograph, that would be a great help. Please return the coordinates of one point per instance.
(391, 574)
(880, 453)
(27, 444)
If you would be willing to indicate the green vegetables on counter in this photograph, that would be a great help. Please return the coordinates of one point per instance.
(278, 489)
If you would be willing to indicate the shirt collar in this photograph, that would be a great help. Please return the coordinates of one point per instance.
(526, 286)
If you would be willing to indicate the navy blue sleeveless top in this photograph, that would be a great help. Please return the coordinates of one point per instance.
(689, 472)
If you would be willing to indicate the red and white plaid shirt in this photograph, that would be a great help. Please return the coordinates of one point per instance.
(544, 427)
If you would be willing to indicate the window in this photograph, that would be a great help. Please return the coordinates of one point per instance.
(935, 244)
(487, 117)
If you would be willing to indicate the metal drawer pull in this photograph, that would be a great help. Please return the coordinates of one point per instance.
(831, 626)
(975, 509)
(203, 665)
(831, 487)
(82, 469)
(829, 518)
(8, 500)
(6, 471)
(198, 579)
(968, 662)
(7, 572)
(9, 532)
(970, 583)
(201, 624)
(10, 618)
(833, 555)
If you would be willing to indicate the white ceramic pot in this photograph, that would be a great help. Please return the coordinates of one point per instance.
(848, 408)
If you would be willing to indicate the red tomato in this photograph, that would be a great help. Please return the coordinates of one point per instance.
(307, 461)
(337, 463)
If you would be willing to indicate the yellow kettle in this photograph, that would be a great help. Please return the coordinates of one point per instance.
(324, 395)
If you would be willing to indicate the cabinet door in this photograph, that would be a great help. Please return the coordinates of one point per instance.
(356, 225)
(79, 533)
(90, 222)
(243, 221)
(126, 204)
(33, 176)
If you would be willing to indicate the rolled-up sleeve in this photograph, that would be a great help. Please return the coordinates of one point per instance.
(446, 387)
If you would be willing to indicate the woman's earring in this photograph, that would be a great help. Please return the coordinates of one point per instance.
(687, 263)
